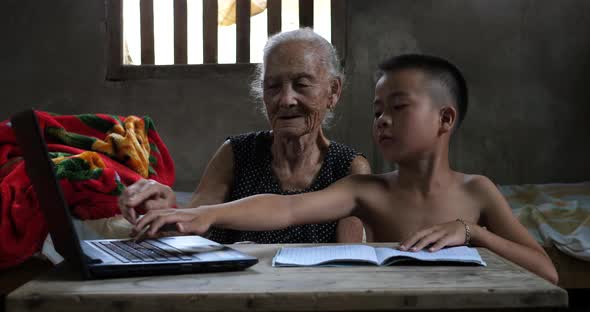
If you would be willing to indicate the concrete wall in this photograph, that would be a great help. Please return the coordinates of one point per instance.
(524, 60)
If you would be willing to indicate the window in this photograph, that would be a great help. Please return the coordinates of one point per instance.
(172, 39)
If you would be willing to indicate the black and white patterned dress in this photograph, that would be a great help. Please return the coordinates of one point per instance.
(253, 175)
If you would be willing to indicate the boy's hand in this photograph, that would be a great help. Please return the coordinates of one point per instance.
(439, 236)
(194, 220)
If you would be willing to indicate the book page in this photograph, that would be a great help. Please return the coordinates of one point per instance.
(309, 256)
(454, 254)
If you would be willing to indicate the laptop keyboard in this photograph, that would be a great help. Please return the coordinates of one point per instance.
(143, 251)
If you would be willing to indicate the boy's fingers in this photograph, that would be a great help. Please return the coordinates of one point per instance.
(194, 226)
(158, 223)
(415, 238)
(425, 241)
(183, 227)
(409, 242)
(147, 219)
(162, 220)
(442, 242)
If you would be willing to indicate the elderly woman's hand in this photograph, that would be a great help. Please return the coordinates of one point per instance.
(143, 196)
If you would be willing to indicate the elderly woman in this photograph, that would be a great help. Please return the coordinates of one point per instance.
(300, 81)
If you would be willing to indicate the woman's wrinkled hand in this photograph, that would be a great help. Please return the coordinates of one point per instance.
(144, 196)
(437, 237)
(187, 221)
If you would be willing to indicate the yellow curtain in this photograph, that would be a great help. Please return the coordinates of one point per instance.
(226, 14)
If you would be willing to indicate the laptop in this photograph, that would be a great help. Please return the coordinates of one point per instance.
(112, 257)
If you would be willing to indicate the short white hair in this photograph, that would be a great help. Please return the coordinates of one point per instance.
(328, 57)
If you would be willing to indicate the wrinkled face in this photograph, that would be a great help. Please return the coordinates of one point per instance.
(406, 121)
(297, 89)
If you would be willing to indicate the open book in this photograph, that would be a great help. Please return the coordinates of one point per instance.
(363, 254)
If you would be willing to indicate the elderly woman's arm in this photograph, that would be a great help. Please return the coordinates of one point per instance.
(217, 179)
(350, 229)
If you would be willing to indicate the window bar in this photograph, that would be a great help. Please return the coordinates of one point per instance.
(180, 29)
(338, 27)
(305, 13)
(146, 12)
(115, 32)
(210, 31)
(273, 16)
(243, 31)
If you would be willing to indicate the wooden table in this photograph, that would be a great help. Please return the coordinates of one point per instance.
(500, 285)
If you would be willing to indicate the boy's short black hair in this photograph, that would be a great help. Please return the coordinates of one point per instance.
(438, 69)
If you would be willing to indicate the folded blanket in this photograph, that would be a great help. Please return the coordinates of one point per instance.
(555, 214)
(95, 156)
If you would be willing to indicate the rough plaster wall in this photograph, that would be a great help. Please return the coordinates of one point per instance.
(525, 61)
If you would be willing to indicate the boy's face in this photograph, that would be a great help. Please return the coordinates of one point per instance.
(406, 121)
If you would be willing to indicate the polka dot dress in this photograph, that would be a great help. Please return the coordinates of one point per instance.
(253, 175)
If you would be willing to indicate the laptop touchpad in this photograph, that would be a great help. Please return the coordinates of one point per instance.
(191, 244)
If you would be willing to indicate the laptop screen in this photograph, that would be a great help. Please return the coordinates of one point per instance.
(40, 170)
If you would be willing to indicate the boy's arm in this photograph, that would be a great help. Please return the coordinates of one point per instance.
(260, 212)
(350, 229)
(506, 236)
